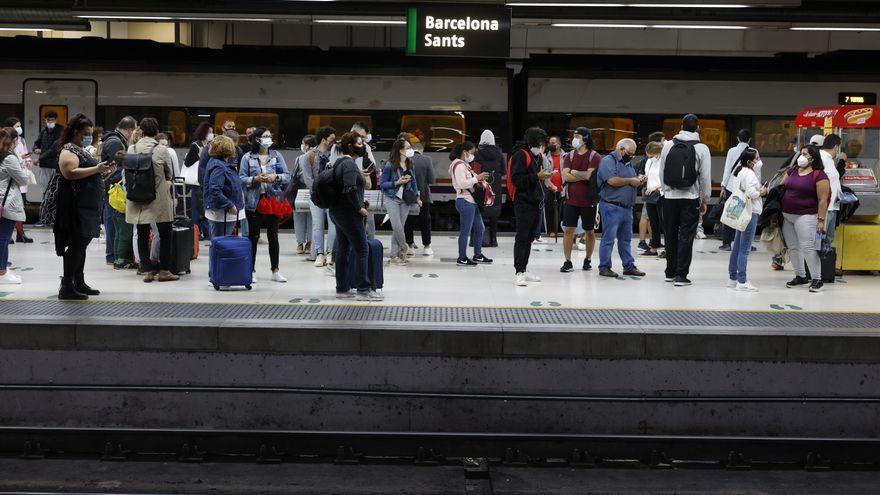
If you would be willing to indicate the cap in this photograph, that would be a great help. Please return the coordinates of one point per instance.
(818, 140)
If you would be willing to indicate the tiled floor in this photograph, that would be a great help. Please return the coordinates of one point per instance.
(437, 281)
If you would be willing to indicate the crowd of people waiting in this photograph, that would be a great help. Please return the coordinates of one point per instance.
(232, 188)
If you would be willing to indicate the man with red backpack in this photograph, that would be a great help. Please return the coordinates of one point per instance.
(525, 187)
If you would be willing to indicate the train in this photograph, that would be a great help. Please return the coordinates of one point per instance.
(440, 102)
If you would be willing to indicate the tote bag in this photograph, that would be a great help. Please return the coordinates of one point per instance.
(737, 211)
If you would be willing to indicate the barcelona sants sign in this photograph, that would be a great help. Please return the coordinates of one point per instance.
(458, 32)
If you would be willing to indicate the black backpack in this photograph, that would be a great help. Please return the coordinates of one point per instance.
(680, 170)
(140, 180)
(327, 188)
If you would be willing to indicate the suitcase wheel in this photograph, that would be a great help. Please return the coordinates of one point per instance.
(216, 287)
(248, 287)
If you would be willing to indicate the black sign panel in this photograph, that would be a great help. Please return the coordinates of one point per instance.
(857, 98)
(461, 31)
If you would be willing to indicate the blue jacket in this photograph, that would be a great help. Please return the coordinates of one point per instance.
(223, 187)
(388, 179)
(250, 168)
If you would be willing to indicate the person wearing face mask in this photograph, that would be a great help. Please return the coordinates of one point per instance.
(118, 232)
(525, 186)
(13, 175)
(21, 151)
(369, 166)
(264, 174)
(578, 167)
(310, 165)
(618, 183)
(645, 225)
(684, 159)
(78, 202)
(401, 193)
(490, 159)
(302, 221)
(229, 125)
(470, 219)
(804, 210)
(552, 188)
(830, 152)
(743, 137)
(744, 178)
(424, 171)
(203, 134)
(46, 151)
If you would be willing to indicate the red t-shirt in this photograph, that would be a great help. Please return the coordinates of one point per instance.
(556, 178)
(578, 191)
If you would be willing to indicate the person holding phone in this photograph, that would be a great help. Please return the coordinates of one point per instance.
(401, 193)
(470, 219)
(618, 183)
(120, 250)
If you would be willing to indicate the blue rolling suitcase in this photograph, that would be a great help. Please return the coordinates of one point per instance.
(374, 264)
(231, 262)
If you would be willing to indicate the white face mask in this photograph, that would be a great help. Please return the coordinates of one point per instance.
(368, 138)
(19, 130)
(266, 142)
(304, 148)
(409, 153)
(537, 151)
(576, 143)
(210, 137)
(803, 161)
(164, 142)
(469, 158)
(50, 125)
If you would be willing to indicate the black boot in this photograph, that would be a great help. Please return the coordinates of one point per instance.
(80, 285)
(494, 241)
(67, 292)
(24, 239)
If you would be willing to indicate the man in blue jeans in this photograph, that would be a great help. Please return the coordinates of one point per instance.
(617, 192)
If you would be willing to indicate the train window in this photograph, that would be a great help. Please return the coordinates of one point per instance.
(862, 147)
(436, 132)
(61, 110)
(775, 136)
(605, 131)
(175, 127)
(342, 123)
(713, 133)
(243, 120)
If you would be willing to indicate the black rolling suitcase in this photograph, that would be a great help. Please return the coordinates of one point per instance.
(182, 234)
(829, 264)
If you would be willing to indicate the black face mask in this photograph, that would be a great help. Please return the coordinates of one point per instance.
(552, 148)
(626, 158)
(359, 151)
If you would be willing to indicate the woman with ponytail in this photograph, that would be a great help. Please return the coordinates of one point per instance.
(744, 178)
(464, 180)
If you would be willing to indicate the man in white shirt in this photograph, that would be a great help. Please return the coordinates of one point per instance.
(830, 151)
(687, 187)
(743, 137)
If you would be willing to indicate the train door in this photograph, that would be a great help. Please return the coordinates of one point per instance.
(66, 97)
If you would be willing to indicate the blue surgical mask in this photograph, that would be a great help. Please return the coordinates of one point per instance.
(86, 141)
(576, 143)
(266, 142)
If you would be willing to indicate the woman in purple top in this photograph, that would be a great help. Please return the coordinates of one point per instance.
(804, 205)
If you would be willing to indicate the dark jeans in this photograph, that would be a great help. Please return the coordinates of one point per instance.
(423, 220)
(552, 206)
(109, 233)
(197, 209)
(528, 216)
(143, 231)
(727, 234)
(680, 217)
(75, 258)
(470, 223)
(351, 240)
(491, 230)
(6, 228)
(655, 216)
(256, 222)
(122, 248)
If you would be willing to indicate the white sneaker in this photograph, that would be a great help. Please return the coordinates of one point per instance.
(328, 258)
(731, 284)
(254, 278)
(581, 246)
(540, 240)
(521, 279)
(278, 277)
(320, 261)
(10, 279)
(428, 251)
(746, 287)
(701, 235)
(532, 278)
(397, 260)
(300, 249)
(369, 295)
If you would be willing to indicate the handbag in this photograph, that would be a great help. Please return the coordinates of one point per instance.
(5, 195)
(653, 198)
(409, 196)
(191, 175)
(737, 212)
(772, 239)
(116, 197)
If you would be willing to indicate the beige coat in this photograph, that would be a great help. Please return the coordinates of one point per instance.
(161, 209)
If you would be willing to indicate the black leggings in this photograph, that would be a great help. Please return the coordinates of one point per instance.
(256, 222)
(655, 215)
(75, 258)
(143, 231)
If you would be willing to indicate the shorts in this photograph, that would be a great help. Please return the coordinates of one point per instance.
(587, 215)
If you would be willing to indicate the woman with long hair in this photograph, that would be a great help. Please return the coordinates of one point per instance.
(743, 178)
(79, 199)
(470, 220)
(401, 193)
(13, 176)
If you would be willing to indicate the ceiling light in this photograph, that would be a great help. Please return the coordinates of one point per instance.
(687, 5)
(126, 17)
(696, 26)
(833, 28)
(244, 19)
(24, 29)
(587, 25)
(357, 21)
(542, 4)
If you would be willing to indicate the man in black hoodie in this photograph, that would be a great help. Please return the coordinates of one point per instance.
(114, 142)
(527, 175)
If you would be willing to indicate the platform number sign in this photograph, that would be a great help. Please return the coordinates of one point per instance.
(458, 32)
(857, 98)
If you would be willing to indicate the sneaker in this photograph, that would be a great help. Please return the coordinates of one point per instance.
(725, 247)
(10, 279)
(394, 260)
(796, 281)
(428, 251)
(662, 255)
(320, 261)
(731, 284)
(643, 246)
(567, 267)
(330, 270)
(669, 279)
(776, 266)
(254, 278)
(278, 277)
(300, 249)
(369, 295)
(816, 286)
(479, 258)
(163, 276)
(413, 247)
(588, 265)
(465, 262)
(649, 253)
(346, 295)
(634, 272)
(520, 279)
(328, 258)
(410, 253)
(539, 240)
(24, 239)
(532, 278)
(746, 287)
(580, 246)
(753, 249)
(608, 272)
(308, 247)
(701, 235)
(682, 282)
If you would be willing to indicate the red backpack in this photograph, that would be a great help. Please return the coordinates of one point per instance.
(511, 189)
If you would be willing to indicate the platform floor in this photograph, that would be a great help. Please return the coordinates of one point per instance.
(437, 281)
